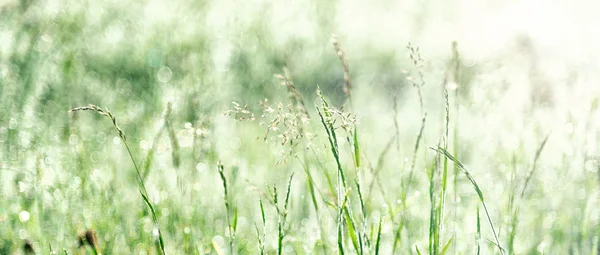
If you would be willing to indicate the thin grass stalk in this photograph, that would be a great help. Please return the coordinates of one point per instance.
(377, 169)
(432, 211)
(334, 150)
(340, 224)
(143, 191)
(281, 213)
(457, 81)
(396, 124)
(406, 185)
(378, 241)
(515, 205)
(418, 62)
(363, 211)
(477, 189)
(230, 227)
(512, 207)
(295, 96)
(442, 202)
(311, 188)
(342, 56)
(352, 230)
(261, 246)
(264, 221)
(534, 166)
(478, 237)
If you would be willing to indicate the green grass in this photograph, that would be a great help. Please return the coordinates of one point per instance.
(370, 148)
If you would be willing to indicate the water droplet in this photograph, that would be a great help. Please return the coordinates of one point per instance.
(47, 160)
(164, 74)
(200, 167)
(218, 240)
(145, 145)
(12, 123)
(73, 139)
(24, 216)
(23, 234)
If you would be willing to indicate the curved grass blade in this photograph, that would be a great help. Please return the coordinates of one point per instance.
(477, 189)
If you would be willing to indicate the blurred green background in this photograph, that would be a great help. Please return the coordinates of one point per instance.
(518, 71)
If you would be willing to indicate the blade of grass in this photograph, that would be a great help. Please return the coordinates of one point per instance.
(143, 189)
(417, 248)
(447, 246)
(340, 223)
(432, 211)
(535, 160)
(261, 247)
(312, 187)
(160, 237)
(477, 189)
(378, 241)
(478, 237)
(230, 227)
(406, 185)
(364, 216)
(352, 230)
(356, 147)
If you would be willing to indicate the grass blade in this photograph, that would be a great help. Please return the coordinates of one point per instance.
(477, 189)
(230, 227)
(123, 138)
(356, 148)
(537, 156)
(447, 246)
(417, 248)
(478, 237)
(378, 242)
(160, 237)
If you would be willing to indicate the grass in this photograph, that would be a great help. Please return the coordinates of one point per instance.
(451, 157)
(143, 190)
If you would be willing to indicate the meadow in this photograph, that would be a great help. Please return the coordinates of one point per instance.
(299, 127)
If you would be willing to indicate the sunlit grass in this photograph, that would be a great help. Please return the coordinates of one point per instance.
(363, 139)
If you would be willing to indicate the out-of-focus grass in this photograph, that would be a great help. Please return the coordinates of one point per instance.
(489, 103)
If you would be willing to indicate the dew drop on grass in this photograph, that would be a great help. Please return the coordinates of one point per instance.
(23, 234)
(12, 123)
(218, 240)
(100, 137)
(164, 74)
(48, 161)
(145, 145)
(200, 167)
(24, 216)
(95, 156)
(149, 226)
(73, 139)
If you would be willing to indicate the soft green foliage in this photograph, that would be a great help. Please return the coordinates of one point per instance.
(346, 130)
